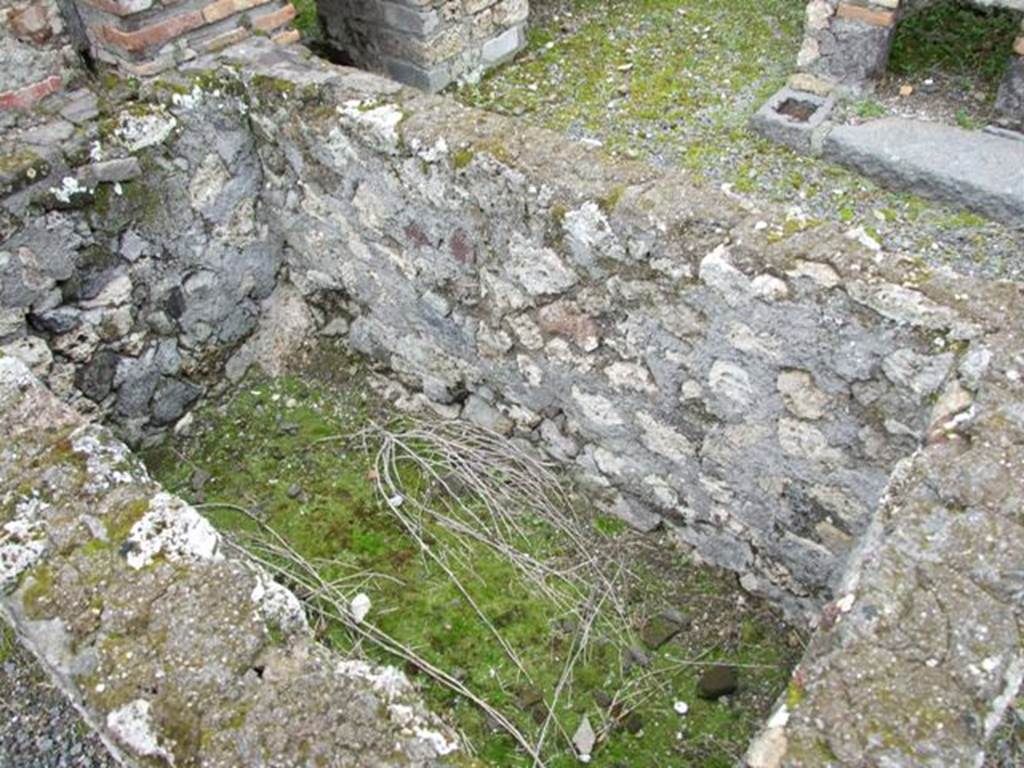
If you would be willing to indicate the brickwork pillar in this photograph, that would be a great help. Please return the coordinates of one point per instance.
(36, 53)
(846, 44)
(145, 37)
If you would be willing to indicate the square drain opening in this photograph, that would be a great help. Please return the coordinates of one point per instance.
(800, 110)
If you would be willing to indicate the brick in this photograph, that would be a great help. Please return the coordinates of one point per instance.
(152, 36)
(22, 98)
(1018, 46)
(221, 9)
(274, 19)
(287, 37)
(866, 15)
(120, 7)
(225, 39)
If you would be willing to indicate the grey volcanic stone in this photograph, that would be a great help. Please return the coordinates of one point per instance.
(717, 681)
(182, 619)
(97, 376)
(171, 400)
(1009, 106)
(977, 170)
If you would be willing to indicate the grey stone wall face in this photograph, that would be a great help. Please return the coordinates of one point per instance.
(426, 43)
(753, 396)
(133, 260)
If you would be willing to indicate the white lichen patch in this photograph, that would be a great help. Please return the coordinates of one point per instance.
(132, 726)
(390, 682)
(173, 529)
(69, 188)
(108, 462)
(278, 606)
(381, 121)
(441, 744)
(137, 132)
(22, 539)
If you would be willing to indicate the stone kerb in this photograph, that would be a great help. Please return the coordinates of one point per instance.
(175, 649)
(427, 43)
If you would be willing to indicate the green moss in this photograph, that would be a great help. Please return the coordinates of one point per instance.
(119, 522)
(794, 695)
(38, 591)
(609, 526)
(954, 39)
(461, 158)
(8, 642)
(608, 202)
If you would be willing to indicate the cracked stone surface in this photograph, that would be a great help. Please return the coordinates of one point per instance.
(173, 649)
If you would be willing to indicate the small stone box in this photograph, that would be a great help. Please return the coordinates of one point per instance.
(793, 117)
(426, 43)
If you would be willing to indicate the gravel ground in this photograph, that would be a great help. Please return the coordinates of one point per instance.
(39, 728)
(675, 81)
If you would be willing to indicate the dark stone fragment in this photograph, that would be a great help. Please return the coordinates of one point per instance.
(528, 696)
(199, 479)
(634, 723)
(602, 699)
(172, 398)
(95, 378)
(662, 628)
(1009, 106)
(59, 320)
(720, 680)
(175, 306)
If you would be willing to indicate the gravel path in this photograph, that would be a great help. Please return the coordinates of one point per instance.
(39, 728)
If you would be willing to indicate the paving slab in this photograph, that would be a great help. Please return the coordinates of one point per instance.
(978, 170)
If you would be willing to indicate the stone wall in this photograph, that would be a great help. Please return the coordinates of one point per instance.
(145, 37)
(178, 651)
(745, 378)
(713, 369)
(36, 55)
(426, 43)
(134, 256)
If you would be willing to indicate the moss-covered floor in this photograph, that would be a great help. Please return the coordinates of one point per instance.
(257, 449)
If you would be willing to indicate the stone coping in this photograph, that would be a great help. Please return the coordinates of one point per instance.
(175, 649)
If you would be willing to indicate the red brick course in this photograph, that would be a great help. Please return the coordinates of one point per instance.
(274, 19)
(152, 36)
(23, 98)
(870, 16)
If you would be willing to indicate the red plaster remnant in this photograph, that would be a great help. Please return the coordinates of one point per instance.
(565, 319)
(870, 16)
(23, 98)
(416, 234)
(461, 248)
